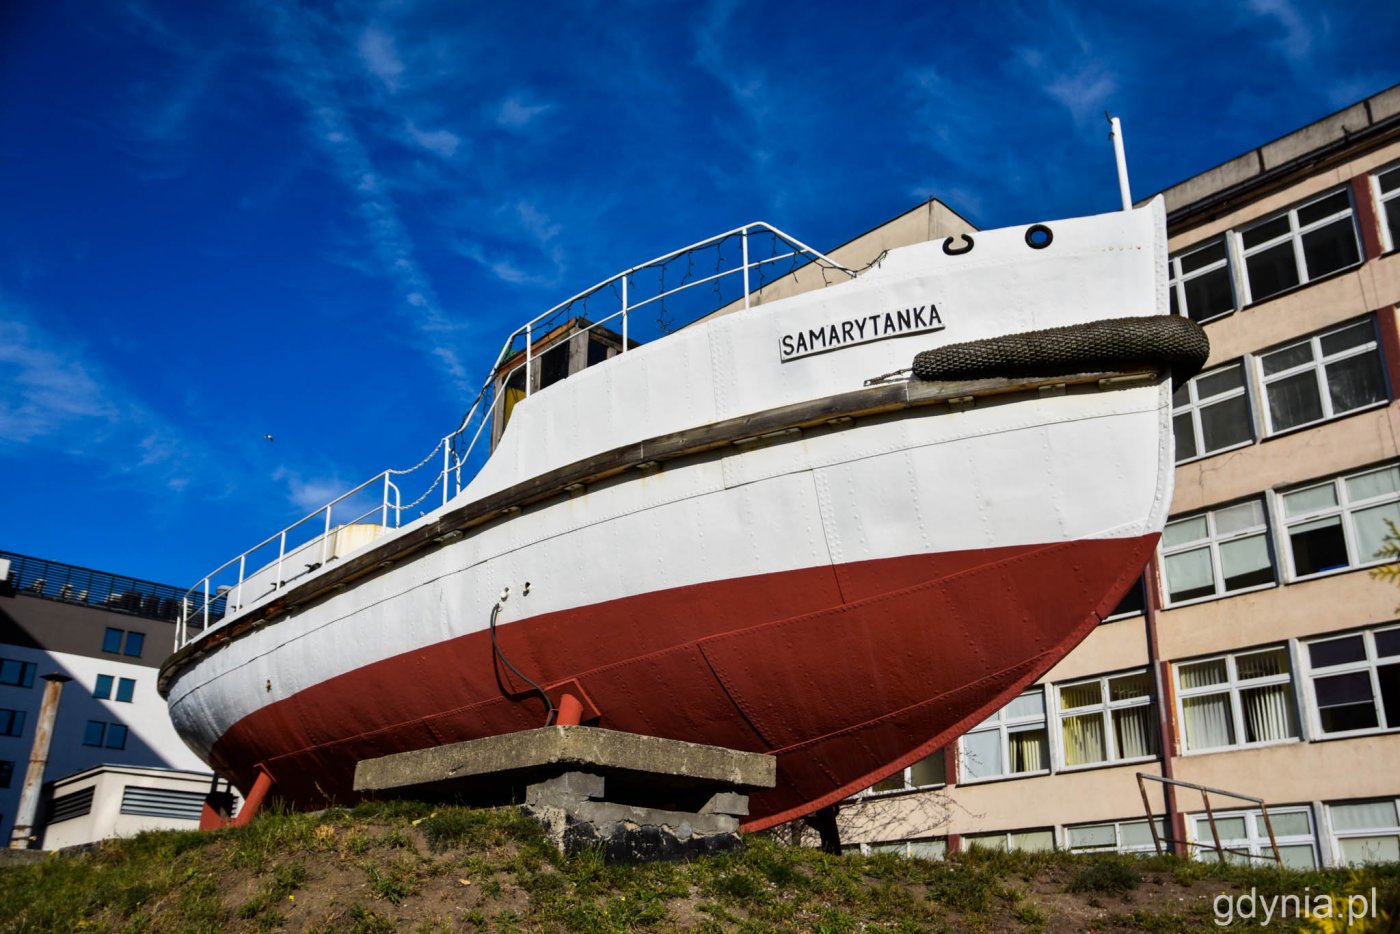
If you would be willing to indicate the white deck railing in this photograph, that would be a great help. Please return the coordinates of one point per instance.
(376, 506)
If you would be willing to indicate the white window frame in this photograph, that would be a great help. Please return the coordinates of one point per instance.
(1178, 279)
(907, 774)
(1195, 405)
(1295, 234)
(1004, 725)
(1318, 365)
(1337, 836)
(1232, 685)
(1118, 845)
(1256, 839)
(1373, 661)
(1213, 541)
(1344, 508)
(905, 848)
(1385, 203)
(1105, 709)
(1007, 839)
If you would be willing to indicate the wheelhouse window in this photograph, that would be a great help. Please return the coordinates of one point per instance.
(1200, 282)
(1366, 831)
(1013, 741)
(1341, 523)
(1387, 186)
(1356, 681)
(1323, 376)
(1219, 552)
(928, 772)
(1211, 413)
(1304, 243)
(1244, 699)
(1107, 719)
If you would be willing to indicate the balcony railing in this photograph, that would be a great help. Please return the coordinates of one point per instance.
(69, 583)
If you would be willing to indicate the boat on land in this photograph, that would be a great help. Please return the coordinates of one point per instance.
(840, 527)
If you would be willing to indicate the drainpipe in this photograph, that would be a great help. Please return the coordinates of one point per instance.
(1166, 723)
(22, 835)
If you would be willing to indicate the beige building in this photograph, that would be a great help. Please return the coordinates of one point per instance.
(1259, 655)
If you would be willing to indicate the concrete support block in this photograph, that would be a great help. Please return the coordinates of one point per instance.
(727, 802)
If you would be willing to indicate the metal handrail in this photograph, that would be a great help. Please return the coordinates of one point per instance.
(1206, 791)
(208, 604)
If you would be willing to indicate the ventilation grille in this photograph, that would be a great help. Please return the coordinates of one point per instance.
(70, 806)
(162, 802)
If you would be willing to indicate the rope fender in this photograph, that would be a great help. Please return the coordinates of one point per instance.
(1113, 343)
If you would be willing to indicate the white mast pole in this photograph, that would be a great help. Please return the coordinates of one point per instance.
(1116, 131)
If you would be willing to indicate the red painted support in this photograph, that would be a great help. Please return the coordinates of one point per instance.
(570, 711)
(253, 803)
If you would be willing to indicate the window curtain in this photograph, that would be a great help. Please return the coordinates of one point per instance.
(1207, 721)
(1028, 751)
(1135, 732)
(1084, 739)
(1268, 714)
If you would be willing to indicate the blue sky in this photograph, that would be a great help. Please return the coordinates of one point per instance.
(220, 221)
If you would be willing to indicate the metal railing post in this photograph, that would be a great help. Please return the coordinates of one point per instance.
(446, 466)
(326, 534)
(384, 506)
(242, 566)
(206, 604)
(281, 553)
(624, 314)
(744, 244)
(1215, 834)
(529, 348)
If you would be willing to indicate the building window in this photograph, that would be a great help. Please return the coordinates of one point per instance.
(1366, 832)
(1133, 602)
(1304, 243)
(11, 722)
(1200, 282)
(7, 773)
(1211, 413)
(1030, 841)
(1219, 552)
(1323, 376)
(126, 687)
(1107, 719)
(1245, 837)
(1012, 741)
(919, 849)
(1356, 681)
(16, 673)
(1129, 836)
(105, 735)
(1341, 523)
(121, 642)
(1387, 185)
(1236, 700)
(928, 772)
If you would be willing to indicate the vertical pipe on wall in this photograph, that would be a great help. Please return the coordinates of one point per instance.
(23, 833)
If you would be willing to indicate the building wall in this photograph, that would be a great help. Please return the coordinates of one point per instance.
(1318, 774)
(68, 639)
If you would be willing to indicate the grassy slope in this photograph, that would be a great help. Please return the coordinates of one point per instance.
(387, 867)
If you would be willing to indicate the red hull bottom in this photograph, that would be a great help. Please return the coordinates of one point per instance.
(845, 673)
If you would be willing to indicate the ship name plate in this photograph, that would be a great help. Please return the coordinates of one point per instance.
(862, 330)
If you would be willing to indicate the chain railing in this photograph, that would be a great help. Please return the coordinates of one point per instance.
(376, 506)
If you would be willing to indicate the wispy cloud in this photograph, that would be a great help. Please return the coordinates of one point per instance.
(440, 142)
(1296, 42)
(313, 81)
(380, 55)
(53, 396)
(518, 111)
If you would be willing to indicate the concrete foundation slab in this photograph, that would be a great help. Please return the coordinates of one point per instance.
(634, 797)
